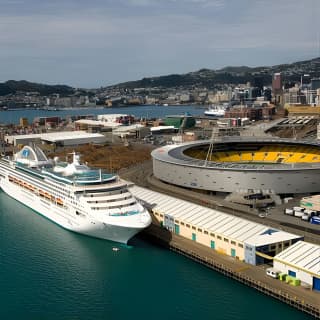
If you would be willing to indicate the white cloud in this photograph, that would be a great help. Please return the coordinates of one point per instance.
(157, 37)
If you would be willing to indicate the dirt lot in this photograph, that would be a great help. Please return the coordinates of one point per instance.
(111, 158)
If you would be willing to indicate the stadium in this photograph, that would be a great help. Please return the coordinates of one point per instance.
(234, 164)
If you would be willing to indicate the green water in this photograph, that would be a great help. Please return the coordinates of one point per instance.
(47, 272)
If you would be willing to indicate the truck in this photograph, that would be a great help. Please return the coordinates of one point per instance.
(315, 220)
(289, 212)
(298, 213)
(310, 213)
(305, 217)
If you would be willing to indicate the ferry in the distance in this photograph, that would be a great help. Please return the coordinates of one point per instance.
(73, 195)
(217, 111)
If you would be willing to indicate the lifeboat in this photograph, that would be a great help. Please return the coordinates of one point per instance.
(47, 195)
(41, 193)
(59, 201)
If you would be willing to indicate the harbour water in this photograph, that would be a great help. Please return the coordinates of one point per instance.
(47, 272)
(13, 116)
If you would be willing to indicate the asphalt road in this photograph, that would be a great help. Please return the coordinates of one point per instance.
(142, 175)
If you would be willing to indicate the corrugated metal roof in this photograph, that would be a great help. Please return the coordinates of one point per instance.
(61, 135)
(212, 220)
(98, 123)
(302, 254)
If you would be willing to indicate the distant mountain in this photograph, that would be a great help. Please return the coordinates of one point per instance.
(12, 86)
(229, 75)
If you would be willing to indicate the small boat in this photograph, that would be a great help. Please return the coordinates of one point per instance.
(115, 249)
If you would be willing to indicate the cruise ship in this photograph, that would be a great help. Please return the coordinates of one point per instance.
(73, 195)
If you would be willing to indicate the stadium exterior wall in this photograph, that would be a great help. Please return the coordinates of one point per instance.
(226, 179)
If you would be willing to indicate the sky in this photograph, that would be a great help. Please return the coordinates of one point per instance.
(96, 43)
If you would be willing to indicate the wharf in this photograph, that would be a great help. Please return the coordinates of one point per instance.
(301, 298)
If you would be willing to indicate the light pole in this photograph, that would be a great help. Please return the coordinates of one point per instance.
(301, 77)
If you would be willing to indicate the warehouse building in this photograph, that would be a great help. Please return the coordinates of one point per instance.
(242, 239)
(62, 138)
(300, 261)
(86, 124)
(186, 121)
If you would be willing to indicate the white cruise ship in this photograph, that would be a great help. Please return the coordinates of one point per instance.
(72, 195)
(216, 110)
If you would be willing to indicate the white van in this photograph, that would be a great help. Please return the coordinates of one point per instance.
(273, 273)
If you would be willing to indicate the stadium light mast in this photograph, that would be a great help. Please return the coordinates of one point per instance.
(209, 153)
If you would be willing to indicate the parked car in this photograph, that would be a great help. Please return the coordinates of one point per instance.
(273, 273)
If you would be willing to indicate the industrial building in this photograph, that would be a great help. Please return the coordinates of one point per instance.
(230, 164)
(300, 261)
(187, 121)
(85, 124)
(123, 119)
(138, 131)
(61, 138)
(242, 239)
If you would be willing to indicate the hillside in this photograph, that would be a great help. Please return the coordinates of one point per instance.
(258, 76)
(12, 86)
(228, 75)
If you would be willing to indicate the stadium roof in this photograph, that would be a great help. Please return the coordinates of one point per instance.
(174, 154)
(213, 221)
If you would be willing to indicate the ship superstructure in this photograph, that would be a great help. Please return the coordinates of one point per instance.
(73, 195)
(216, 111)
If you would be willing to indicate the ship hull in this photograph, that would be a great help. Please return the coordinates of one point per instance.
(68, 219)
(214, 114)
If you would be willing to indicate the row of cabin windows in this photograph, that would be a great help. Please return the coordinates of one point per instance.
(111, 200)
(240, 245)
(37, 186)
(102, 194)
(114, 207)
